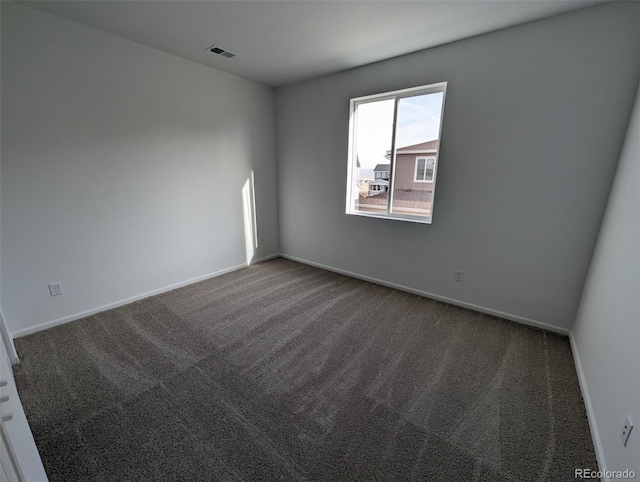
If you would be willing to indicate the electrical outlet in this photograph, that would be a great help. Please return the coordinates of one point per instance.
(626, 430)
(459, 275)
(55, 289)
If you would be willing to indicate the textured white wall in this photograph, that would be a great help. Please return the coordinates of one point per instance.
(122, 167)
(606, 334)
(4, 329)
(534, 120)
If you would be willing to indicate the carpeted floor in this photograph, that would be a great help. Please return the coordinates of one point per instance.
(282, 371)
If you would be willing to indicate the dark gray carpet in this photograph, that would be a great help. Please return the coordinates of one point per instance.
(282, 371)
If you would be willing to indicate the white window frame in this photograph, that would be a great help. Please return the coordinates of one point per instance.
(352, 189)
(426, 160)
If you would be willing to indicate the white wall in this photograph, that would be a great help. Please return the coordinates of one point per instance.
(606, 334)
(4, 329)
(122, 168)
(534, 119)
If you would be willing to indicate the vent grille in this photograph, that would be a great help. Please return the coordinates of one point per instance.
(220, 51)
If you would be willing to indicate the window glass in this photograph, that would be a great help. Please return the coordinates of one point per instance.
(395, 139)
(373, 136)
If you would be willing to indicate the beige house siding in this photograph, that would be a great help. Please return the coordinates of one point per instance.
(405, 172)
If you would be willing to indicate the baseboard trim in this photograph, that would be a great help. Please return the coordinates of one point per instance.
(116, 304)
(591, 416)
(451, 301)
(463, 304)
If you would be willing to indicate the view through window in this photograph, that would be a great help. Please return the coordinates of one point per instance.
(393, 153)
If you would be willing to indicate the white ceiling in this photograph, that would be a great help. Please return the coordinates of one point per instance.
(279, 42)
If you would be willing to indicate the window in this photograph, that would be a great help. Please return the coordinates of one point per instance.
(400, 132)
(425, 167)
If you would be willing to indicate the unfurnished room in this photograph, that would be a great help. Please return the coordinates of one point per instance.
(320, 240)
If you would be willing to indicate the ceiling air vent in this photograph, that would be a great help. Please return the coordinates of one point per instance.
(220, 51)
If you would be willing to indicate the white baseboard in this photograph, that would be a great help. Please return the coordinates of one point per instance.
(482, 309)
(591, 416)
(451, 301)
(116, 304)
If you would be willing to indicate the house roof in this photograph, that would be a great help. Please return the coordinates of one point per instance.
(428, 146)
(422, 146)
(382, 168)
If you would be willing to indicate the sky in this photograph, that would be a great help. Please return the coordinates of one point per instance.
(418, 121)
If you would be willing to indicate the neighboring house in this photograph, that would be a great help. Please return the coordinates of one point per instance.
(378, 186)
(415, 166)
(380, 182)
(381, 171)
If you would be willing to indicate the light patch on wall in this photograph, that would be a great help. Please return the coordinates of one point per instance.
(249, 212)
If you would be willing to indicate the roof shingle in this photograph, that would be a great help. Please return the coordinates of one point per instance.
(423, 146)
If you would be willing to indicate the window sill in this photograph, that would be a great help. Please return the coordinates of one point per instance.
(394, 217)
